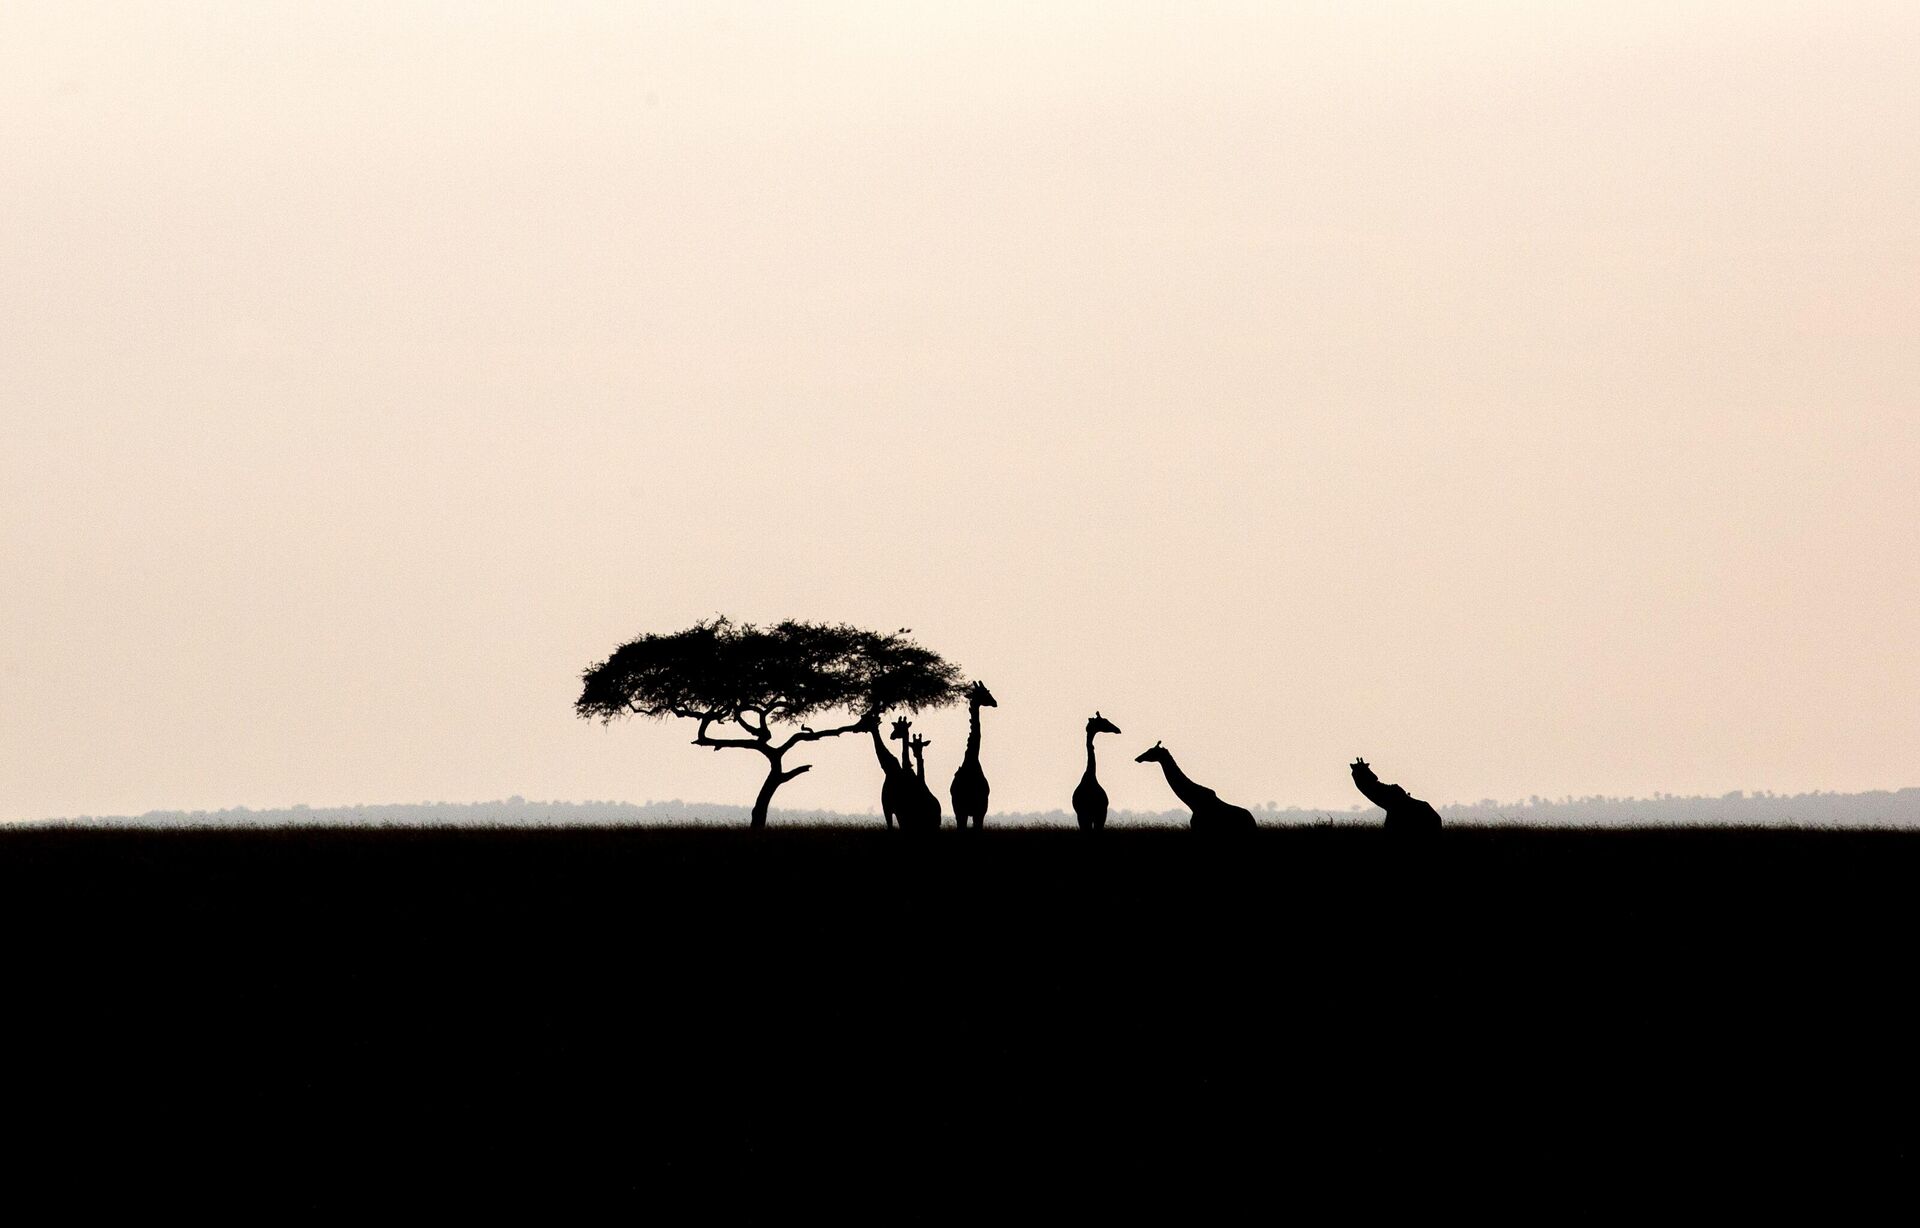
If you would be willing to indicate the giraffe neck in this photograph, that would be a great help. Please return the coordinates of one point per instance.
(885, 755)
(1089, 754)
(1183, 788)
(973, 732)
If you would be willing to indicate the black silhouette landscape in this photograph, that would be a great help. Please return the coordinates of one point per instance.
(730, 1012)
(715, 1017)
(1072, 590)
(743, 1018)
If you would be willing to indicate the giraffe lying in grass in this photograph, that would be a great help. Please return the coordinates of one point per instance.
(1210, 814)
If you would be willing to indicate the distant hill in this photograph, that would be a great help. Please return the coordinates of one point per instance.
(1880, 808)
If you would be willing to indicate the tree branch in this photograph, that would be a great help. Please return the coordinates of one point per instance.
(701, 738)
(814, 735)
(760, 732)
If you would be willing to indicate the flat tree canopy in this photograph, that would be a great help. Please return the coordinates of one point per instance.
(722, 673)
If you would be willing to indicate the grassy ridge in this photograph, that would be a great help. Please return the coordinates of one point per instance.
(633, 1006)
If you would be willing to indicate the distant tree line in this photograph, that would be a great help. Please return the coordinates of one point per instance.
(1878, 808)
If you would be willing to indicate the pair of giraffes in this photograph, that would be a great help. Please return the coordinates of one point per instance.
(1210, 814)
(906, 799)
(1407, 815)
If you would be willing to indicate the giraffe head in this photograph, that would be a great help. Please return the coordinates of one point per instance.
(980, 697)
(1100, 724)
(919, 745)
(900, 728)
(1153, 754)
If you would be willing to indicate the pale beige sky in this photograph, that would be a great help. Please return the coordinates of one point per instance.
(1524, 396)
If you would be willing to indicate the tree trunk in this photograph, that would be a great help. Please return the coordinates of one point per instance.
(775, 778)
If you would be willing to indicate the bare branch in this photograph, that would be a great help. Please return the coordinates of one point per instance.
(814, 735)
(701, 738)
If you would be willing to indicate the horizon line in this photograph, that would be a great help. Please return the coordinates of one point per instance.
(1482, 808)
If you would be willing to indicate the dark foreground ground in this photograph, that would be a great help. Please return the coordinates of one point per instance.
(397, 1020)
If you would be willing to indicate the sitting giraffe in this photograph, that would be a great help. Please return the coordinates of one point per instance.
(1089, 799)
(1209, 812)
(1406, 815)
(969, 790)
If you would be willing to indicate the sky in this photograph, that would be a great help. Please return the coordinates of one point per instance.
(1524, 397)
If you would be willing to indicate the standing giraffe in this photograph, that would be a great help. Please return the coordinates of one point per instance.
(1209, 812)
(969, 790)
(894, 790)
(922, 809)
(1089, 799)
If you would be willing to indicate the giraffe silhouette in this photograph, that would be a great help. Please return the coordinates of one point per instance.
(922, 811)
(1210, 814)
(898, 782)
(969, 789)
(1406, 814)
(1089, 799)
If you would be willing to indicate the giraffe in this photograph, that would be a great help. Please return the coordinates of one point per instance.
(1406, 814)
(969, 790)
(893, 791)
(1089, 799)
(921, 811)
(1209, 812)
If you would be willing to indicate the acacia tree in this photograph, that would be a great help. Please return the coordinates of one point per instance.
(720, 673)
